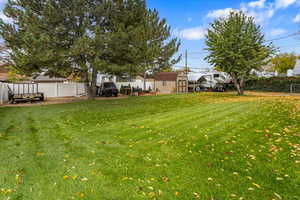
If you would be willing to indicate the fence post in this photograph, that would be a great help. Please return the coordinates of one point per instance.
(56, 89)
(76, 89)
(1, 94)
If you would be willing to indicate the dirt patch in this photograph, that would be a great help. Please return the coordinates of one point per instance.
(61, 100)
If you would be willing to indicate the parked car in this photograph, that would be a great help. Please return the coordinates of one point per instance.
(107, 89)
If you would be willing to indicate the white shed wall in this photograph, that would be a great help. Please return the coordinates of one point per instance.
(62, 89)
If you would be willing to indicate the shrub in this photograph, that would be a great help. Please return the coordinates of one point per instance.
(274, 84)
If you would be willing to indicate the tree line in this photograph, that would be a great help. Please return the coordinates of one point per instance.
(124, 37)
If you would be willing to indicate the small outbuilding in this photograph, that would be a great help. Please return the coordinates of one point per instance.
(171, 82)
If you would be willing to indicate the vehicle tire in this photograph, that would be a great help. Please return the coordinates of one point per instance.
(108, 94)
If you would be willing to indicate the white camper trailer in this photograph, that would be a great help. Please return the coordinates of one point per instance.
(208, 80)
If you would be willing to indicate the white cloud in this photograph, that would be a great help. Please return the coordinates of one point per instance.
(257, 4)
(261, 12)
(277, 31)
(195, 33)
(297, 18)
(220, 13)
(285, 3)
(256, 9)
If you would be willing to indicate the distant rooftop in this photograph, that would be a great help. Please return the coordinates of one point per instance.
(43, 78)
(166, 76)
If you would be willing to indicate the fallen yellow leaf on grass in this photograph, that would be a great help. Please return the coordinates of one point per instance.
(165, 178)
(277, 195)
(6, 191)
(40, 154)
(84, 179)
(80, 194)
(18, 179)
(151, 194)
(235, 173)
(286, 130)
(256, 185)
(196, 195)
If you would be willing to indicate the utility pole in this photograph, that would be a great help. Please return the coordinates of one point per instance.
(186, 69)
(186, 61)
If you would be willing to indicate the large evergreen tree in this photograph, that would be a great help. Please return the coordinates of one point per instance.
(236, 45)
(85, 37)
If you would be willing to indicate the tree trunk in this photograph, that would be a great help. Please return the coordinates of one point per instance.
(145, 81)
(87, 83)
(239, 85)
(242, 83)
(90, 85)
(93, 87)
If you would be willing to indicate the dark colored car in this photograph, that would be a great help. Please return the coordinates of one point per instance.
(107, 89)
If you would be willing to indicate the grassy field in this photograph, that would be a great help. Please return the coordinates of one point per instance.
(197, 146)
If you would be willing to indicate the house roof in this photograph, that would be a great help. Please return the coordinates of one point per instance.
(166, 76)
(3, 72)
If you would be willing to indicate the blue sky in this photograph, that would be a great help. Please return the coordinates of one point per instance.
(190, 19)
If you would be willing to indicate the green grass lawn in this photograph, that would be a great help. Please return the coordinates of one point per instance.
(197, 146)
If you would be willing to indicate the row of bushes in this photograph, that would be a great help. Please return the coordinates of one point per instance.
(274, 84)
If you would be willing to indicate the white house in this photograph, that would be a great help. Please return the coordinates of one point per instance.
(296, 71)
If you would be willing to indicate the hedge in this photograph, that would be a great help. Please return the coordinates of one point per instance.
(274, 84)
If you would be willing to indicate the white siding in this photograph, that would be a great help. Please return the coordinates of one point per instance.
(49, 89)
(137, 83)
(62, 89)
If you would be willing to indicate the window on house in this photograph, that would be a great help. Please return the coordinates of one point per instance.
(164, 83)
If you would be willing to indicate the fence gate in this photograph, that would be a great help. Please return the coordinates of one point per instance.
(182, 86)
(3, 93)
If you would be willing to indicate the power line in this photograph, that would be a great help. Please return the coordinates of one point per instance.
(195, 52)
(284, 37)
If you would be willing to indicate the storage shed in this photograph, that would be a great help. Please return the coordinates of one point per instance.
(171, 82)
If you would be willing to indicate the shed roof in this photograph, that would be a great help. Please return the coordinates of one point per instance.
(166, 76)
